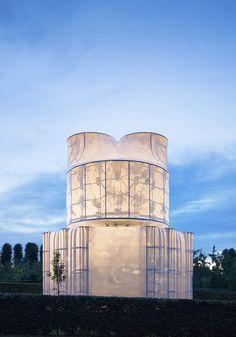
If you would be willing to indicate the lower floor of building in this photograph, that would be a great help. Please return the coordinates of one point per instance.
(122, 259)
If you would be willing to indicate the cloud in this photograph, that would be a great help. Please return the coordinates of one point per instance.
(217, 235)
(205, 203)
(43, 221)
(48, 92)
(91, 68)
(37, 207)
(34, 225)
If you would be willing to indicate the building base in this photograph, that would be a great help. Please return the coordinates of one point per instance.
(148, 260)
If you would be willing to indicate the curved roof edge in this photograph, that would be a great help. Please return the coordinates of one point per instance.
(93, 132)
(149, 132)
(106, 134)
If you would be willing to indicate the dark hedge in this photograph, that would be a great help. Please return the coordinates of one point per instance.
(201, 294)
(214, 294)
(32, 288)
(105, 316)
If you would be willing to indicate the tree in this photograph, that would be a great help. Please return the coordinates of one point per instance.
(58, 271)
(31, 252)
(201, 270)
(41, 253)
(6, 254)
(217, 279)
(18, 253)
(229, 267)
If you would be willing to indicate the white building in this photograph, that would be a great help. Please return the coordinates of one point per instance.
(118, 240)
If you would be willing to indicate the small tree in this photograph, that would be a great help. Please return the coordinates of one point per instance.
(58, 271)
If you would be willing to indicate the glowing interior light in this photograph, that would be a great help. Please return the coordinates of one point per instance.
(118, 240)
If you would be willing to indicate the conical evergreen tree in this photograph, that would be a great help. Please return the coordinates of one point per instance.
(6, 254)
(18, 253)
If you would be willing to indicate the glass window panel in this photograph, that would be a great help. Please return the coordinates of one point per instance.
(156, 210)
(156, 195)
(117, 189)
(95, 190)
(139, 189)
(166, 200)
(77, 196)
(78, 177)
(148, 191)
(166, 182)
(78, 193)
(77, 212)
(156, 177)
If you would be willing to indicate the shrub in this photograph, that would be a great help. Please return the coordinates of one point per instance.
(32, 288)
(112, 316)
(214, 294)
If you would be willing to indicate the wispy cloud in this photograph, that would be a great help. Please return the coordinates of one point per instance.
(47, 220)
(58, 91)
(34, 225)
(36, 208)
(217, 235)
(204, 203)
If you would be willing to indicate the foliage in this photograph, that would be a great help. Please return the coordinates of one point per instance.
(26, 269)
(41, 253)
(31, 252)
(104, 316)
(214, 294)
(18, 253)
(201, 269)
(6, 254)
(58, 271)
(21, 272)
(31, 288)
(228, 264)
(216, 270)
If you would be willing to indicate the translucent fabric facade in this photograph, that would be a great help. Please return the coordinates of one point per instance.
(117, 189)
(118, 241)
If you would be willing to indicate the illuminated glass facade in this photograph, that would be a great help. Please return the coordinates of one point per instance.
(118, 241)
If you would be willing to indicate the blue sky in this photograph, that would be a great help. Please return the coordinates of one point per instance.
(118, 67)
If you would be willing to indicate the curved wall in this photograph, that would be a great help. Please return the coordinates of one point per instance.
(121, 261)
(117, 189)
(91, 146)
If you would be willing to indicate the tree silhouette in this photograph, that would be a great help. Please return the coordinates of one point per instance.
(18, 253)
(217, 279)
(201, 270)
(31, 252)
(229, 267)
(6, 254)
(41, 253)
